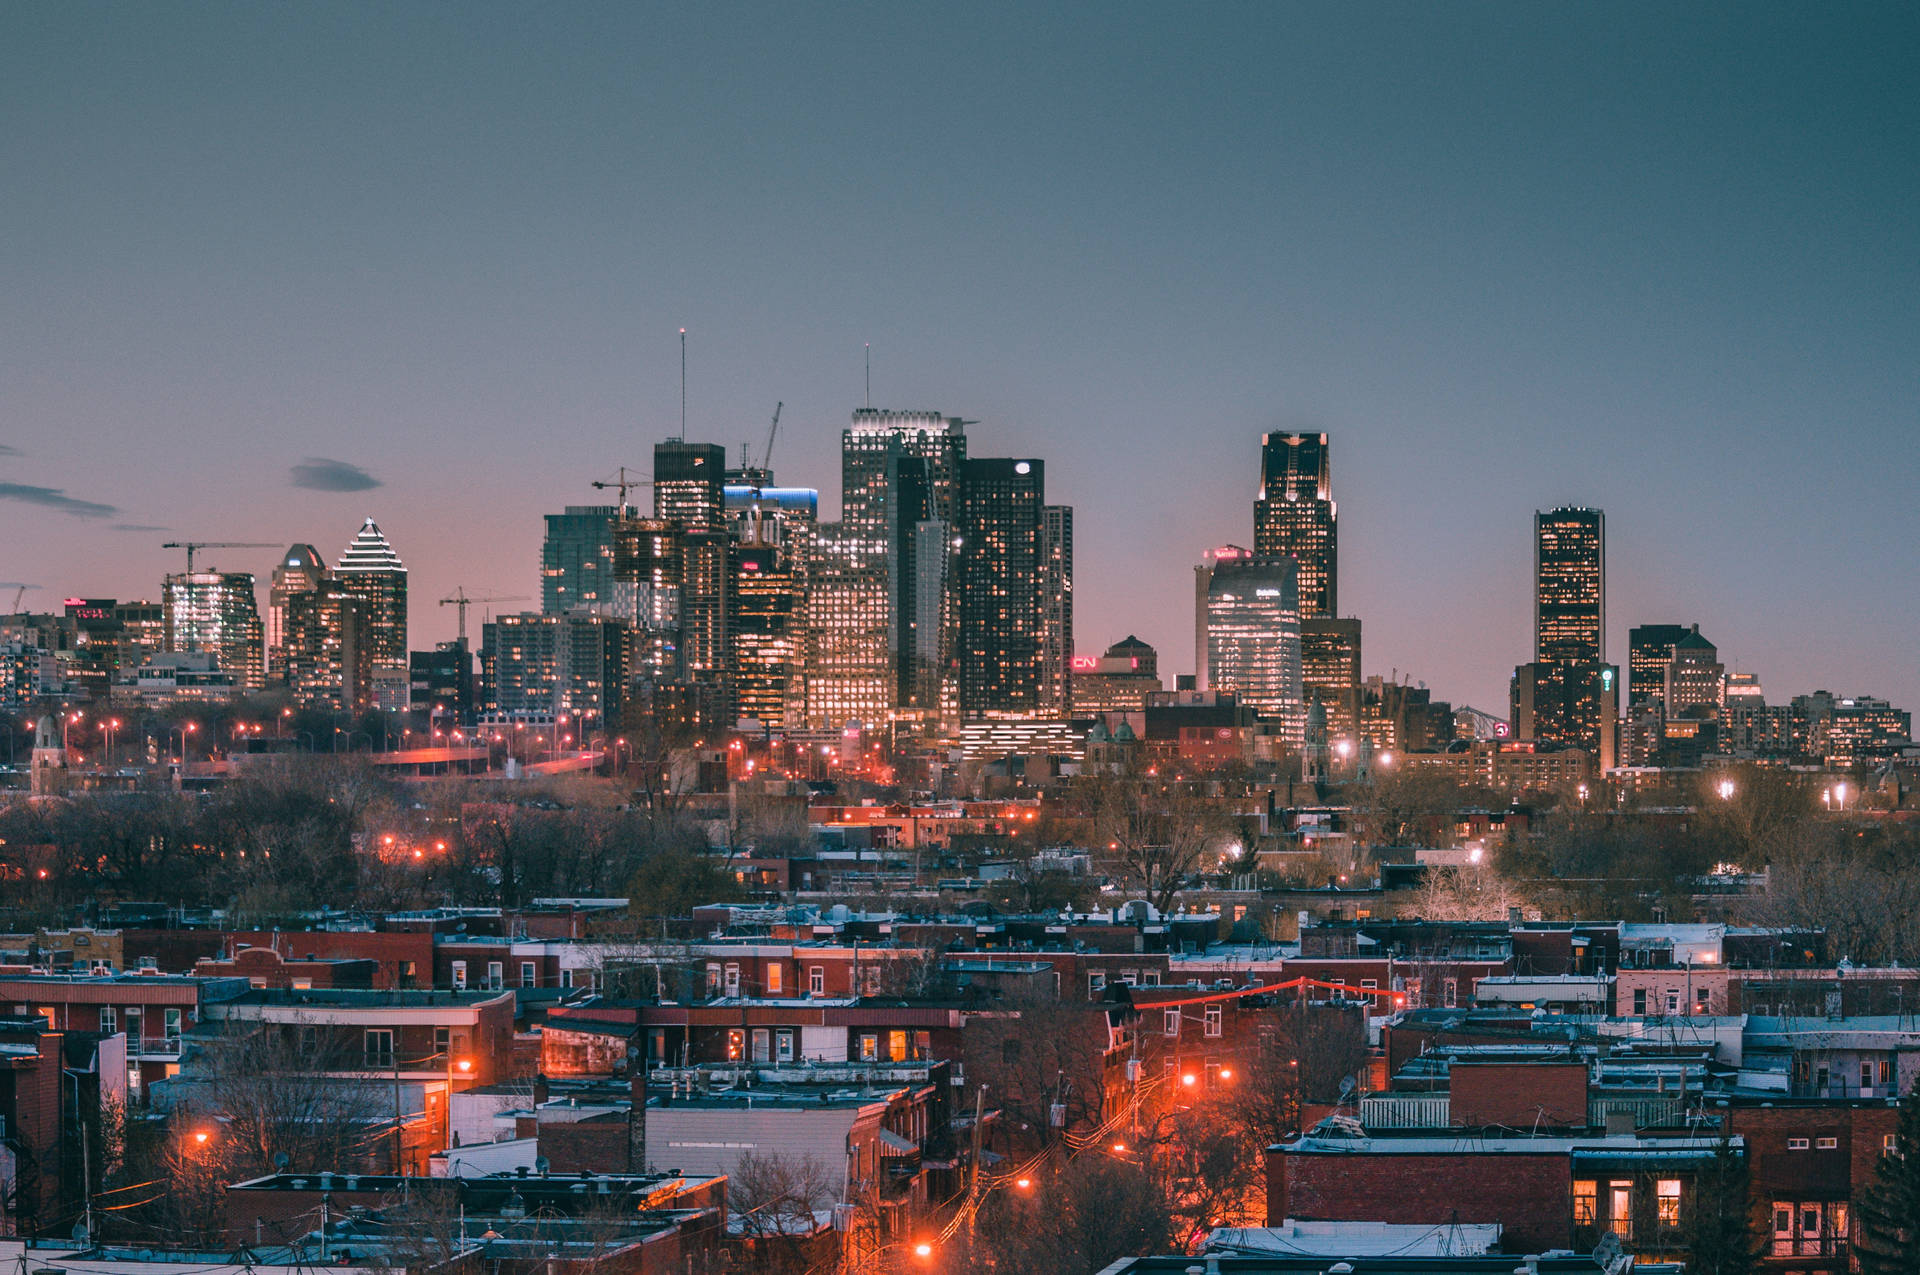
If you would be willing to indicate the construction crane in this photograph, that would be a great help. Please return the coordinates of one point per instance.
(766, 459)
(191, 546)
(19, 592)
(623, 484)
(459, 599)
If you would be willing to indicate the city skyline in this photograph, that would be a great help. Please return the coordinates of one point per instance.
(279, 334)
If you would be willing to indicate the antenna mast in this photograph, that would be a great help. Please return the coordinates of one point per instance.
(683, 384)
(869, 375)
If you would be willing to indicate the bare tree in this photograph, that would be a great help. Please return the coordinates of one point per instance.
(775, 1201)
(1472, 893)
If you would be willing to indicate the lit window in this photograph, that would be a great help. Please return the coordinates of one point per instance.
(1797, 1144)
(1826, 1144)
(1586, 1202)
(1667, 1194)
(1213, 1020)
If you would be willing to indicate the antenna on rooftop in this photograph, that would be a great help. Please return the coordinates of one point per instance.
(683, 384)
(869, 375)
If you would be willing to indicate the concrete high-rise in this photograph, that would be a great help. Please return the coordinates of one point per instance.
(1295, 517)
(1330, 671)
(372, 572)
(1056, 610)
(300, 570)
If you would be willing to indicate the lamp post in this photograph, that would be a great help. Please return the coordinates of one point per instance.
(465, 1067)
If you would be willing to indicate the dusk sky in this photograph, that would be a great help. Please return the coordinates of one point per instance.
(267, 269)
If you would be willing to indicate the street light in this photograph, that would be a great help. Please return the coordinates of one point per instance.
(1726, 790)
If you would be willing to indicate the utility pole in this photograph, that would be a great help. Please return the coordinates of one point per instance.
(973, 1169)
(399, 1127)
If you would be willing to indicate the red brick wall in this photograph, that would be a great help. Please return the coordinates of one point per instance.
(1530, 1195)
(1518, 1095)
(598, 1145)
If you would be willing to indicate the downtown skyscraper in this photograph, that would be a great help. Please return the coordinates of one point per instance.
(1295, 517)
(1569, 694)
(371, 572)
(215, 612)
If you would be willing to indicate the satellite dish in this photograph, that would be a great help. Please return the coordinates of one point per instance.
(281, 1161)
(1347, 1085)
(541, 1164)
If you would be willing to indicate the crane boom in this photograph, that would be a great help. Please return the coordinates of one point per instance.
(191, 546)
(766, 459)
(458, 598)
(623, 484)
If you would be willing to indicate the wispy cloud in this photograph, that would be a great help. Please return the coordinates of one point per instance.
(56, 498)
(10, 451)
(317, 473)
(136, 526)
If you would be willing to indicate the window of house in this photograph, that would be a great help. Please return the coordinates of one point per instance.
(1170, 1022)
(443, 1041)
(1150, 978)
(762, 1044)
(135, 1026)
(529, 974)
(896, 1046)
(713, 978)
(496, 975)
(1866, 1075)
(922, 1045)
(869, 1047)
(1213, 1020)
(1370, 983)
(1130, 977)
(379, 1047)
(776, 979)
(459, 976)
(108, 1015)
(566, 978)
(302, 984)
(783, 1046)
(817, 981)
(1667, 1198)
(1586, 1202)
(1889, 1143)
(733, 979)
(1096, 983)
(1797, 1144)
(736, 1044)
(1826, 1144)
(1673, 1000)
(170, 1020)
(1620, 1209)
(1886, 1071)
(1702, 999)
(1450, 992)
(1640, 1000)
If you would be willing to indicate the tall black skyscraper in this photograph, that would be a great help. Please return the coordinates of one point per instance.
(999, 526)
(1295, 517)
(1569, 694)
(689, 482)
(1570, 586)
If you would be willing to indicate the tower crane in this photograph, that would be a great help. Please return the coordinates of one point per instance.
(191, 546)
(623, 484)
(766, 458)
(19, 592)
(458, 598)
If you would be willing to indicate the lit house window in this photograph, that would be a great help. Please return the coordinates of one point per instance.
(1586, 1202)
(776, 981)
(1667, 1195)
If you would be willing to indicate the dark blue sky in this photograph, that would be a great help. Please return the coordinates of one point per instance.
(1660, 259)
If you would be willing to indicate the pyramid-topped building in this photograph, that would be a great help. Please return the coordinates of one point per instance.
(371, 571)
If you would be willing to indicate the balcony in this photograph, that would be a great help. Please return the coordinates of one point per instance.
(1405, 1111)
